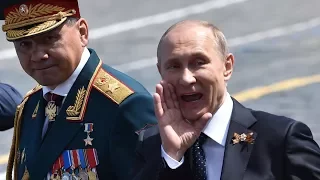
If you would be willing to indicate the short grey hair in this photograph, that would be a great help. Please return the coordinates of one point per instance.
(71, 21)
(220, 39)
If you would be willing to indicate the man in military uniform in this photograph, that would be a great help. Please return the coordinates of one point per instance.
(84, 117)
(9, 100)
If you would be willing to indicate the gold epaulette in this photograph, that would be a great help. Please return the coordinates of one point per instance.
(111, 87)
(34, 90)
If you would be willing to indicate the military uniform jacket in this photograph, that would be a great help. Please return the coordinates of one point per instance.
(95, 131)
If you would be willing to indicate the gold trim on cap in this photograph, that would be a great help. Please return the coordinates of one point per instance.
(40, 15)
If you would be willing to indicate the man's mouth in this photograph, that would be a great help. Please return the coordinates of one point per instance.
(43, 68)
(191, 97)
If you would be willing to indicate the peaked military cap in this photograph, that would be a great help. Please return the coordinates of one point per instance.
(24, 18)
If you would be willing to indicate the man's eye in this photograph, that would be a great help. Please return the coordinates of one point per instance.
(25, 44)
(22, 44)
(50, 38)
(172, 67)
(200, 62)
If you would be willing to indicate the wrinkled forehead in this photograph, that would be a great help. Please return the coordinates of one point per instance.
(186, 42)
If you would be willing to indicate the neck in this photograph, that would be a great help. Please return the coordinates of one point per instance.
(223, 98)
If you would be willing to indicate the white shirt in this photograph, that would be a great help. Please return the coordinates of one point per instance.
(217, 131)
(64, 88)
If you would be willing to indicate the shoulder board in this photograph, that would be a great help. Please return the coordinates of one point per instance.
(34, 90)
(111, 87)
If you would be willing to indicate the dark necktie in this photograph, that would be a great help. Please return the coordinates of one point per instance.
(199, 160)
(57, 100)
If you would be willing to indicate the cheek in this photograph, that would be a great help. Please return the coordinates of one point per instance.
(209, 82)
(206, 78)
(25, 62)
(60, 56)
(171, 77)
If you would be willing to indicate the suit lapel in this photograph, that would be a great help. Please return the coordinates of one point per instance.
(236, 156)
(63, 130)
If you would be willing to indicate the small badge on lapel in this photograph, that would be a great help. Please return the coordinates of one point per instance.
(34, 114)
(246, 138)
(23, 156)
(88, 128)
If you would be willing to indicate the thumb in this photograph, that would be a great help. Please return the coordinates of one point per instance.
(202, 121)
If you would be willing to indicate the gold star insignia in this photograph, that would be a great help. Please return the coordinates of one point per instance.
(112, 87)
(88, 141)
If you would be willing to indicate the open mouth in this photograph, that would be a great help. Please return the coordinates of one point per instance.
(191, 97)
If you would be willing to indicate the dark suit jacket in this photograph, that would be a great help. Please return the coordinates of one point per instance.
(284, 149)
(9, 100)
(117, 106)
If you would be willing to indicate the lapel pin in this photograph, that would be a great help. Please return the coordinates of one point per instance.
(243, 138)
(23, 156)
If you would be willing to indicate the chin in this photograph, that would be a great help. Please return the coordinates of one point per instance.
(193, 114)
(47, 81)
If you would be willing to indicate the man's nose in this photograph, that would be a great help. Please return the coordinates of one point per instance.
(39, 54)
(187, 78)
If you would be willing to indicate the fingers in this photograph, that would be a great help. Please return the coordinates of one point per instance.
(202, 121)
(167, 95)
(174, 96)
(157, 105)
(159, 91)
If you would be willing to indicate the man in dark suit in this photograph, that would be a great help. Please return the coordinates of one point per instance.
(10, 98)
(205, 134)
(82, 120)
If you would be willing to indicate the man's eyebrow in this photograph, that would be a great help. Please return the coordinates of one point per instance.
(171, 60)
(197, 54)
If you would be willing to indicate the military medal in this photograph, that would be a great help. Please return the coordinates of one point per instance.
(55, 169)
(51, 110)
(92, 175)
(88, 128)
(88, 141)
(66, 165)
(55, 176)
(92, 159)
(66, 176)
(83, 164)
(75, 163)
(74, 177)
(83, 175)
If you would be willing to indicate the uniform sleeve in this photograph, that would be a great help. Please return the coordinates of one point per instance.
(9, 100)
(135, 114)
(303, 153)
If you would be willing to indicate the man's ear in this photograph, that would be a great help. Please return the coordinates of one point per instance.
(158, 66)
(83, 30)
(228, 66)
